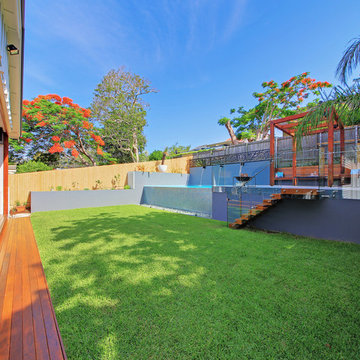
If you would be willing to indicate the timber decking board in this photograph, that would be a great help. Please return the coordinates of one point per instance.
(28, 327)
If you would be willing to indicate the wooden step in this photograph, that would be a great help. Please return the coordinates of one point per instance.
(256, 210)
(299, 191)
(261, 207)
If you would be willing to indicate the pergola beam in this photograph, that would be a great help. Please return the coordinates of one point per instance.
(288, 126)
(291, 117)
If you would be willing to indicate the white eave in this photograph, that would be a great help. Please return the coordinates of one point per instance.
(12, 11)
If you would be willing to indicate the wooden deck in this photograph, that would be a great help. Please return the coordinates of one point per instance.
(28, 327)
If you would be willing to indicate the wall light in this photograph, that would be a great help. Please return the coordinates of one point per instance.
(12, 49)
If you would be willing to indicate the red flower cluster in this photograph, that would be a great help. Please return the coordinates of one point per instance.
(41, 123)
(74, 106)
(86, 112)
(69, 144)
(55, 139)
(98, 139)
(28, 140)
(55, 97)
(56, 148)
(99, 151)
(75, 153)
(86, 124)
(67, 101)
(39, 116)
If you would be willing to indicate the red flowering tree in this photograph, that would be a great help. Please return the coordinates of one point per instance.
(276, 101)
(286, 99)
(58, 125)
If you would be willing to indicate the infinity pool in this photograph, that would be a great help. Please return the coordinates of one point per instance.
(194, 198)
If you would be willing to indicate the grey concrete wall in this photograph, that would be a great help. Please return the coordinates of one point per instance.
(65, 200)
(219, 206)
(331, 219)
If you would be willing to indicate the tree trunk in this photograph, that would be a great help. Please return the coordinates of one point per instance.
(135, 146)
(233, 137)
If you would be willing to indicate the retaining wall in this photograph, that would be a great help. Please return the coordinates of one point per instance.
(64, 200)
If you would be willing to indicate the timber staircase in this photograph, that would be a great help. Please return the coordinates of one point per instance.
(266, 204)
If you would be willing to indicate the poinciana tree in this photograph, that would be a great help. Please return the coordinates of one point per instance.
(277, 100)
(58, 125)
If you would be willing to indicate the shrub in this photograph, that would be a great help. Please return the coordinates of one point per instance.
(156, 155)
(32, 166)
(127, 187)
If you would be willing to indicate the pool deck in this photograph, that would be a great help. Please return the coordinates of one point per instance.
(28, 326)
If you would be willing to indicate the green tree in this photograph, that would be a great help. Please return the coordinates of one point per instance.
(119, 106)
(276, 101)
(176, 149)
(246, 123)
(32, 166)
(156, 155)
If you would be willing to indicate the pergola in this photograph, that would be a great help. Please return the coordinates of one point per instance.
(289, 124)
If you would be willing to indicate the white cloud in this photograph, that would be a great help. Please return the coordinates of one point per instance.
(235, 19)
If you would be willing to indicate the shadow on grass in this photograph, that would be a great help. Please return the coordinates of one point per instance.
(130, 282)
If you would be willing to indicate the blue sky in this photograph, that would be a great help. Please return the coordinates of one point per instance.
(203, 56)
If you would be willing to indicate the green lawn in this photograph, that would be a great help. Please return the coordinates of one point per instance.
(130, 282)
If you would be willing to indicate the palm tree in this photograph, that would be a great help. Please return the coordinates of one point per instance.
(344, 99)
(349, 61)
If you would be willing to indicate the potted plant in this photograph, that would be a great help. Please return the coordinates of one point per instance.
(19, 208)
(162, 167)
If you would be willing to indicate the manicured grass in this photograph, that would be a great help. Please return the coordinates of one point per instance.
(130, 282)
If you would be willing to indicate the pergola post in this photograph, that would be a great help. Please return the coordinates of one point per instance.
(294, 160)
(331, 150)
(272, 152)
(342, 150)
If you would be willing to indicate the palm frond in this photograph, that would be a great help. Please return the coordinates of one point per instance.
(350, 59)
(344, 100)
